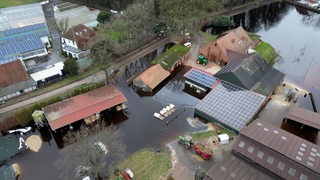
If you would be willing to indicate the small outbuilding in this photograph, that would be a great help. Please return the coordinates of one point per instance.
(223, 138)
(84, 105)
(151, 78)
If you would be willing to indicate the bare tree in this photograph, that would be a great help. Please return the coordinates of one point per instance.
(63, 24)
(91, 151)
(102, 54)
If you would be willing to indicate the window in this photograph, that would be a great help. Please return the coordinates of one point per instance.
(260, 154)
(270, 160)
(241, 144)
(223, 168)
(250, 149)
(303, 177)
(281, 165)
(292, 172)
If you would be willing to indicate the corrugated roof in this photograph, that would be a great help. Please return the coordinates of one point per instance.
(78, 107)
(82, 35)
(20, 16)
(153, 76)
(304, 116)
(233, 167)
(231, 105)
(277, 141)
(11, 73)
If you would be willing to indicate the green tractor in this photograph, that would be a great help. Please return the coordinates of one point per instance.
(202, 60)
(186, 141)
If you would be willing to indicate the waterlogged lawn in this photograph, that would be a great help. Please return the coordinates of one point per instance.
(268, 53)
(148, 164)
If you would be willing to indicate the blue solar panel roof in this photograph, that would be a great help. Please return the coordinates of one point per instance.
(231, 105)
(201, 77)
(21, 40)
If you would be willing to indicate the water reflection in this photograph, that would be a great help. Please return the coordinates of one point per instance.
(262, 18)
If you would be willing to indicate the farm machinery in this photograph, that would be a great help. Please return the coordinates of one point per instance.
(203, 151)
(186, 141)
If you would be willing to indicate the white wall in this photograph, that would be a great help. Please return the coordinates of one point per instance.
(68, 42)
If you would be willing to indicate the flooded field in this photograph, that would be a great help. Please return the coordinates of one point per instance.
(298, 60)
(138, 125)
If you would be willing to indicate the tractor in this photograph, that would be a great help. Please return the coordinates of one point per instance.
(186, 141)
(202, 60)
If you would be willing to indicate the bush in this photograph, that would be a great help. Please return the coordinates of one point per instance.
(222, 21)
(102, 17)
(71, 67)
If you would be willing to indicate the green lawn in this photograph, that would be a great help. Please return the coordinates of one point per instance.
(206, 134)
(148, 164)
(253, 36)
(267, 52)
(9, 3)
(115, 35)
(171, 56)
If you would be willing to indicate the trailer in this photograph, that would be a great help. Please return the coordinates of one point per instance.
(203, 151)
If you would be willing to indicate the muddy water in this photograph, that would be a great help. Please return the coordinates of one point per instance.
(138, 125)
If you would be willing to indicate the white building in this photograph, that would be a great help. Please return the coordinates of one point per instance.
(78, 40)
(50, 72)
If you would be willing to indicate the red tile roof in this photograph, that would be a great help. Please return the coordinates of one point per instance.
(12, 73)
(260, 140)
(82, 35)
(304, 116)
(232, 46)
(78, 107)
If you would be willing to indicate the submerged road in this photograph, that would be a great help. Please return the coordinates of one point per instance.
(99, 76)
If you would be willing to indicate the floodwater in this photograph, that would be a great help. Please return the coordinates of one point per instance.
(295, 35)
(139, 127)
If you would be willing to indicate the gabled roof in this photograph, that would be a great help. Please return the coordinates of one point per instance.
(12, 73)
(153, 76)
(233, 167)
(78, 107)
(251, 73)
(304, 116)
(281, 152)
(230, 105)
(82, 35)
(233, 45)
(237, 40)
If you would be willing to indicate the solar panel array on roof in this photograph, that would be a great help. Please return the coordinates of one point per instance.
(21, 40)
(200, 77)
(231, 105)
(24, 29)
